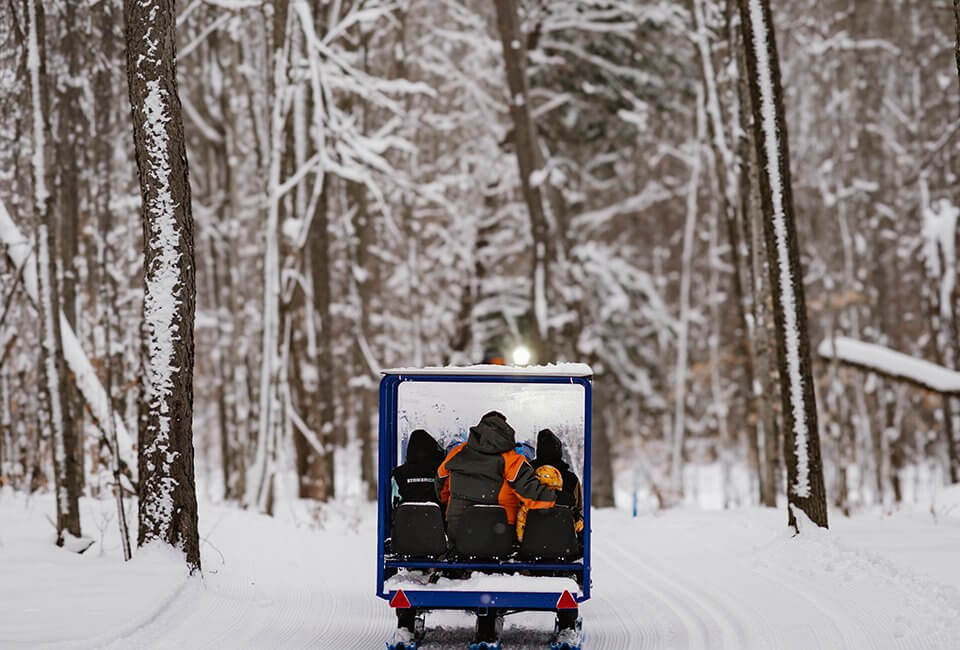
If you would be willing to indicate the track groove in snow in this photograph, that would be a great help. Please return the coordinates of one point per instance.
(684, 580)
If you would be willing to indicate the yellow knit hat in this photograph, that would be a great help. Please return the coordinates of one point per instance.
(550, 476)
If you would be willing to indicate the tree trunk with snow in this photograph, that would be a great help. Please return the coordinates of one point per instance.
(805, 488)
(69, 161)
(6, 430)
(603, 434)
(529, 160)
(260, 477)
(763, 388)
(956, 21)
(365, 280)
(939, 252)
(321, 416)
(362, 278)
(59, 424)
(107, 287)
(686, 271)
(168, 500)
(725, 166)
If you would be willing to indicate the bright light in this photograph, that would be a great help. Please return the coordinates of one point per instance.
(521, 355)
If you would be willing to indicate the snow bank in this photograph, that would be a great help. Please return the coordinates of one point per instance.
(890, 362)
(53, 596)
(946, 504)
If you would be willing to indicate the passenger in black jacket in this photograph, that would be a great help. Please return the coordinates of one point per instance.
(486, 469)
(550, 452)
(415, 478)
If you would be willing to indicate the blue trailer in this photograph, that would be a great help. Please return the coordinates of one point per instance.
(426, 574)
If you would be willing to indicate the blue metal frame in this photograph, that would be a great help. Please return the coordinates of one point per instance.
(389, 387)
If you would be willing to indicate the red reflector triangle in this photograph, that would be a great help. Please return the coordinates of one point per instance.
(400, 600)
(566, 601)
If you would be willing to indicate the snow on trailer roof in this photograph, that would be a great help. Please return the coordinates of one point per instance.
(549, 370)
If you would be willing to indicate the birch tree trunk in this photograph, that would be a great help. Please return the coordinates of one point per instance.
(805, 488)
(680, 370)
(529, 160)
(58, 422)
(168, 499)
(260, 479)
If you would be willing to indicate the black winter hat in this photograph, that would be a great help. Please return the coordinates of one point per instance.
(423, 448)
(549, 448)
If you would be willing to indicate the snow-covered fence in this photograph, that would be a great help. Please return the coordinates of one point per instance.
(884, 361)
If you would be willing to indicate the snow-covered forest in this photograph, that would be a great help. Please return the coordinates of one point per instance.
(711, 209)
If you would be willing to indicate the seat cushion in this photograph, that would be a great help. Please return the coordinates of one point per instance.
(483, 533)
(418, 531)
(549, 535)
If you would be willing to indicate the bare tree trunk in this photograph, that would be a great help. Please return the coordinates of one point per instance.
(686, 271)
(366, 285)
(103, 96)
(725, 174)
(258, 484)
(956, 19)
(601, 469)
(363, 287)
(69, 158)
(322, 413)
(752, 219)
(54, 388)
(168, 499)
(805, 489)
(224, 355)
(529, 160)
(940, 292)
(6, 430)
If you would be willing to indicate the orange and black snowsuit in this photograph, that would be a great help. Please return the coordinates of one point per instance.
(486, 469)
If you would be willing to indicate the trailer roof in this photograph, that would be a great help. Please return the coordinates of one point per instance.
(550, 370)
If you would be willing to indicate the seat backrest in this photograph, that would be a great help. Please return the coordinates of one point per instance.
(418, 531)
(549, 535)
(483, 533)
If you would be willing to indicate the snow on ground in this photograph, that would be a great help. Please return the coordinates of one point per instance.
(683, 579)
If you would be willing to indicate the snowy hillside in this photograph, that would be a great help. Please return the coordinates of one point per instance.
(686, 579)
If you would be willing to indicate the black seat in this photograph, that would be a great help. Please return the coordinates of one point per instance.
(418, 531)
(549, 535)
(483, 533)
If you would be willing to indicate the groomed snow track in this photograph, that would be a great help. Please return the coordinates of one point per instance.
(684, 580)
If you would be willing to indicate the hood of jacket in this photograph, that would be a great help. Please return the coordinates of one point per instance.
(492, 435)
(423, 449)
(550, 450)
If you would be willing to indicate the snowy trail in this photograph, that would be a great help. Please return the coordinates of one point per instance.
(686, 580)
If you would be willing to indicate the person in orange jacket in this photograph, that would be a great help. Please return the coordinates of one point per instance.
(487, 469)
